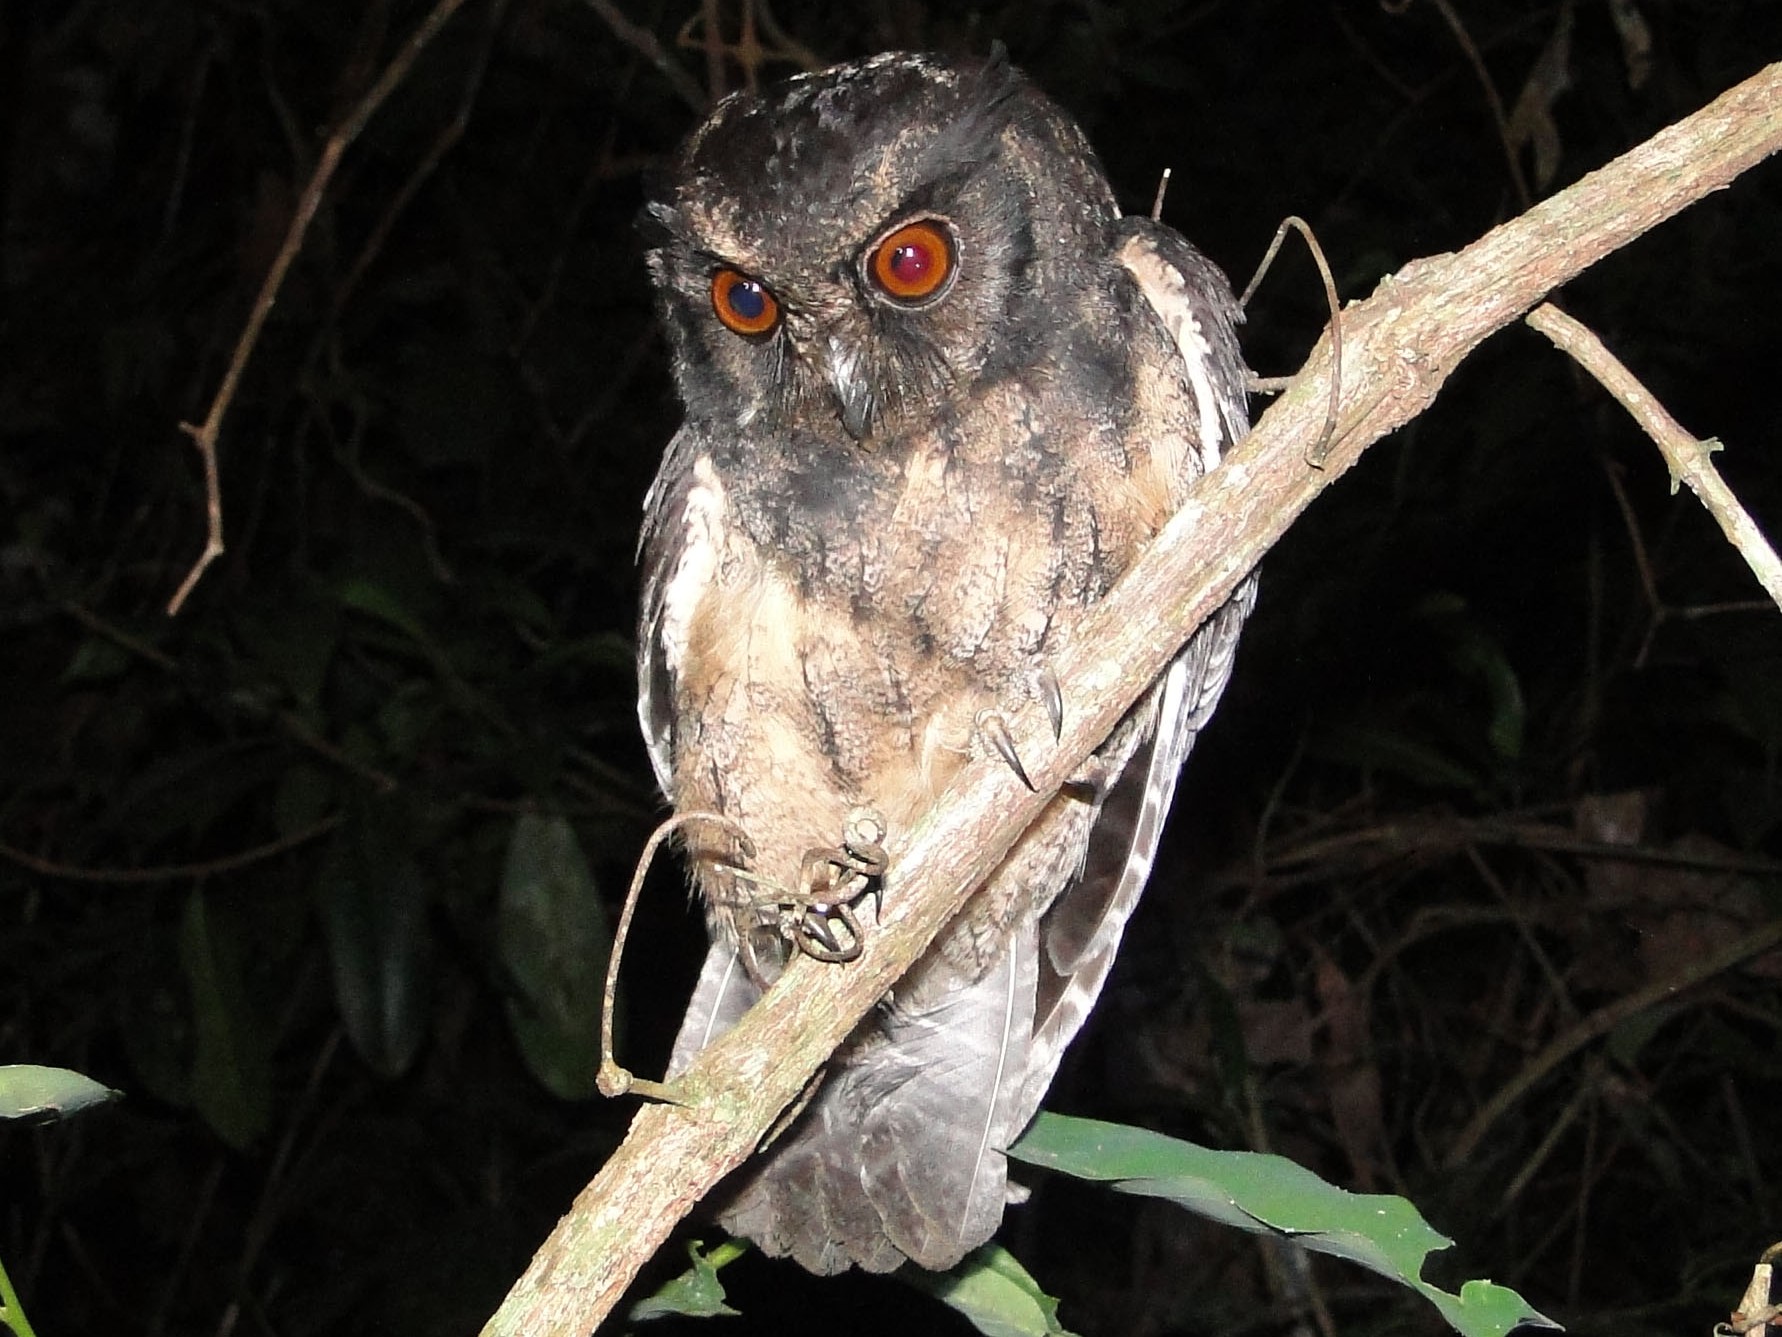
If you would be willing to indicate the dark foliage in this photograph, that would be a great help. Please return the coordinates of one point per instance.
(270, 866)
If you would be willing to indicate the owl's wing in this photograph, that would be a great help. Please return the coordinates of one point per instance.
(669, 548)
(679, 551)
(1082, 930)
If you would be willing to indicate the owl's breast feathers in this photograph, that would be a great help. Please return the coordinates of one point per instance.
(827, 622)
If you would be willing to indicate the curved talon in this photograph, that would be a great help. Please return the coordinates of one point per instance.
(1053, 698)
(996, 730)
(817, 924)
(814, 925)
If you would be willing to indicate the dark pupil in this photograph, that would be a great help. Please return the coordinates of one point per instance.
(910, 262)
(747, 300)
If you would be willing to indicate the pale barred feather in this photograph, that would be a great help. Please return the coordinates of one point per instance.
(667, 531)
(1083, 929)
(723, 994)
(878, 1169)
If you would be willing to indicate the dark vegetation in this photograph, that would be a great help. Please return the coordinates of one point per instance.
(254, 856)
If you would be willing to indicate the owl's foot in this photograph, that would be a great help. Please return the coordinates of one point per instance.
(995, 731)
(822, 922)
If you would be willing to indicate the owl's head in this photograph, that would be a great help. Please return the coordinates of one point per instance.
(857, 246)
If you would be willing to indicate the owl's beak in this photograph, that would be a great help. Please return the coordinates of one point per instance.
(845, 370)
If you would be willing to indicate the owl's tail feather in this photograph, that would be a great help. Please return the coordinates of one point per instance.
(900, 1153)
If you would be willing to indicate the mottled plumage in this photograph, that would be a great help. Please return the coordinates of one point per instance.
(939, 393)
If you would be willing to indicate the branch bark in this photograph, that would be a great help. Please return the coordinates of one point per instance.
(1399, 347)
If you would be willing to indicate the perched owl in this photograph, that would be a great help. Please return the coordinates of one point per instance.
(938, 395)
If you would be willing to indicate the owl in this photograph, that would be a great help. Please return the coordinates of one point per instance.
(939, 393)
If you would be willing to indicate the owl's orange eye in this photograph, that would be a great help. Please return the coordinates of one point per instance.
(914, 262)
(744, 304)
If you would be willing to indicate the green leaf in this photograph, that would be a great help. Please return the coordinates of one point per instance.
(374, 913)
(292, 641)
(98, 659)
(555, 942)
(1482, 1308)
(377, 601)
(1270, 1194)
(231, 1070)
(697, 1292)
(997, 1294)
(28, 1091)
(1371, 747)
(12, 1313)
(1476, 654)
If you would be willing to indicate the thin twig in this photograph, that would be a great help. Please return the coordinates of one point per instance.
(118, 636)
(613, 1079)
(1687, 457)
(179, 872)
(188, 129)
(643, 41)
(1492, 100)
(785, 46)
(1630, 522)
(714, 48)
(1321, 448)
(205, 435)
(1697, 971)
(443, 144)
(1396, 838)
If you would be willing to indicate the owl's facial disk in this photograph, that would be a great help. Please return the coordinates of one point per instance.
(847, 254)
(862, 329)
(894, 322)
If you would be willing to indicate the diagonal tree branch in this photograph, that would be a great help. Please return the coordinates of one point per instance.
(1399, 347)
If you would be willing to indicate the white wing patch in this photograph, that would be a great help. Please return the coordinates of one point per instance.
(1167, 291)
(702, 518)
